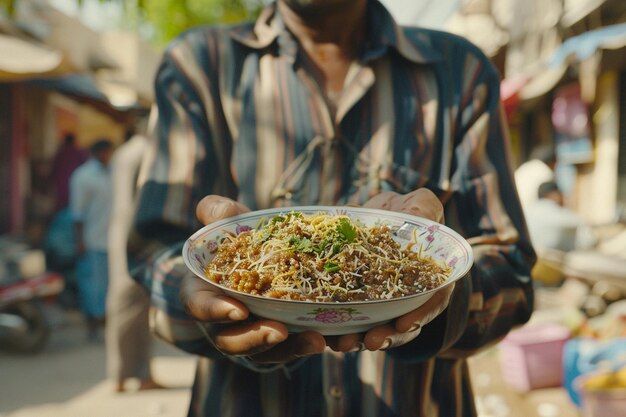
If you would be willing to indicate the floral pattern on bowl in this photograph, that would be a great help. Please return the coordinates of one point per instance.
(333, 315)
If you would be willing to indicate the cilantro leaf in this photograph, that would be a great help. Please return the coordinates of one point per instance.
(304, 245)
(320, 247)
(301, 244)
(331, 267)
(346, 230)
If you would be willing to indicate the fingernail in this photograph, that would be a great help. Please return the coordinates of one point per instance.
(219, 209)
(273, 338)
(385, 344)
(414, 328)
(236, 315)
(359, 347)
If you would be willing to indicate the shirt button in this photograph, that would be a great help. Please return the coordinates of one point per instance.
(336, 391)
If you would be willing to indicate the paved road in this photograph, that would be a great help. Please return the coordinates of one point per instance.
(68, 380)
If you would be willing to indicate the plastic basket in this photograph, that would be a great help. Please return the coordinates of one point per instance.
(532, 357)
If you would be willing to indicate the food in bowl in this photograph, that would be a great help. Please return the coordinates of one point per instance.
(437, 241)
(323, 257)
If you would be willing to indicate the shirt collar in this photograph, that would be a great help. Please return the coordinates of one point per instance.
(269, 28)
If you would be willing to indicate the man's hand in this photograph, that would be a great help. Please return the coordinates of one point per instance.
(233, 332)
(422, 202)
(231, 329)
(404, 329)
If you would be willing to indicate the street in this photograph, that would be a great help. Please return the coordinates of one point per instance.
(68, 379)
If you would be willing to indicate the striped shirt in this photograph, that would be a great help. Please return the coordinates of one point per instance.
(241, 115)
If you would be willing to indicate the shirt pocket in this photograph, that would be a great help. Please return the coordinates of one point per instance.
(299, 184)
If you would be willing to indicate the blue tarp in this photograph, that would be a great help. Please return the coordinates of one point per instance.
(584, 46)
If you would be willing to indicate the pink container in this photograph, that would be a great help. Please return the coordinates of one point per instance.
(601, 403)
(532, 356)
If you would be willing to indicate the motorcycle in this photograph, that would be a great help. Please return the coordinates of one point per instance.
(24, 285)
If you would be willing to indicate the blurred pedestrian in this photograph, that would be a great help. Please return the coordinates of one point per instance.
(60, 247)
(553, 226)
(67, 158)
(128, 337)
(90, 203)
(59, 241)
(534, 172)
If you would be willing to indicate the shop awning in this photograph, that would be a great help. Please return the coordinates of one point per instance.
(22, 59)
(521, 88)
(83, 88)
(542, 82)
(509, 92)
(77, 85)
(582, 47)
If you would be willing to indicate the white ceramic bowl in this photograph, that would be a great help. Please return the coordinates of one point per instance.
(335, 318)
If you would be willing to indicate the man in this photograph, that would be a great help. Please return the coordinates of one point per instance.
(330, 102)
(90, 204)
(553, 226)
(128, 338)
(59, 243)
(68, 157)
(534, 172)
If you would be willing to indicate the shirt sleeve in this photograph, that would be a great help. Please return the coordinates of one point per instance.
(483, 206)
(183, 166)
(179, 172)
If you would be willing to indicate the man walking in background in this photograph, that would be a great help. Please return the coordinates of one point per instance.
(128, 337)
(90, 203)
